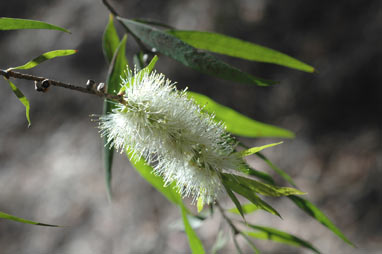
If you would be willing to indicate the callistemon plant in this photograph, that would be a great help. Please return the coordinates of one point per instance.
(172, 137)
(170, 131)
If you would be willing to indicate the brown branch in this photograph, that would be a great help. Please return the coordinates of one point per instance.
(17, 75)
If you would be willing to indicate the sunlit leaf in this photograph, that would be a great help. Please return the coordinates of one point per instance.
(257, 149)
(258, 174)
(113, 82)
(237, 123)
(193, 240)
(175, 48)
(277, 170)
(200, 204)
(316, 213)
(46, 56)
(117, 67)
(245, 191)
(226, 45)
(156, 181)
(247, 208)
(278, 236)
(110, 40)
(265, 189)
(22, 99)
(16, 24)
(14, 218)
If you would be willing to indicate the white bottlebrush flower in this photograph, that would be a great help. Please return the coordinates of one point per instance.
(183, 144)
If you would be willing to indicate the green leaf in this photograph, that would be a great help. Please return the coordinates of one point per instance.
(234, 200)
(14, 218)
(156, 181)
(151, 65)
(247, 208)
(153, 23)
(237, 123)
(195, 243)
(175, 48)
(256, 149)
(116, 69)
(200, 204)
(22, 99)
(46, 56)
(245, 191)
(277, 170)
(258, 174)
(230, 46)
(316, 213)
(110, 40)
(266, 189)
(278, 236)
(16, 24)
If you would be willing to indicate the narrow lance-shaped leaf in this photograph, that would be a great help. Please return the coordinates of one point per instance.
(266, 189)
(258, 174)
(17, 24)
(44, 57)
(156, 181)
(234, 200)
(247, 208)
(153, 23)
(278, 236)
(175, 48)
(14, 218)
(110, 40)
(316, 213)
(116, 69)
(200, 204)
(230, 46)
(237, 123)
(277, 170)
(256, 149)
(22, 99)
(194, 241)
(249, 194)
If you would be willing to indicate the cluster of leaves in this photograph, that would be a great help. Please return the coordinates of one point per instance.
(191, 48)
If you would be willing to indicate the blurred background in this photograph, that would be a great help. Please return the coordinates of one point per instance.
(53, 171)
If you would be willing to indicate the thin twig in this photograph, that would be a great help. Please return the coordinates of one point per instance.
(229, 221)
(17, 75)
(115, 13)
